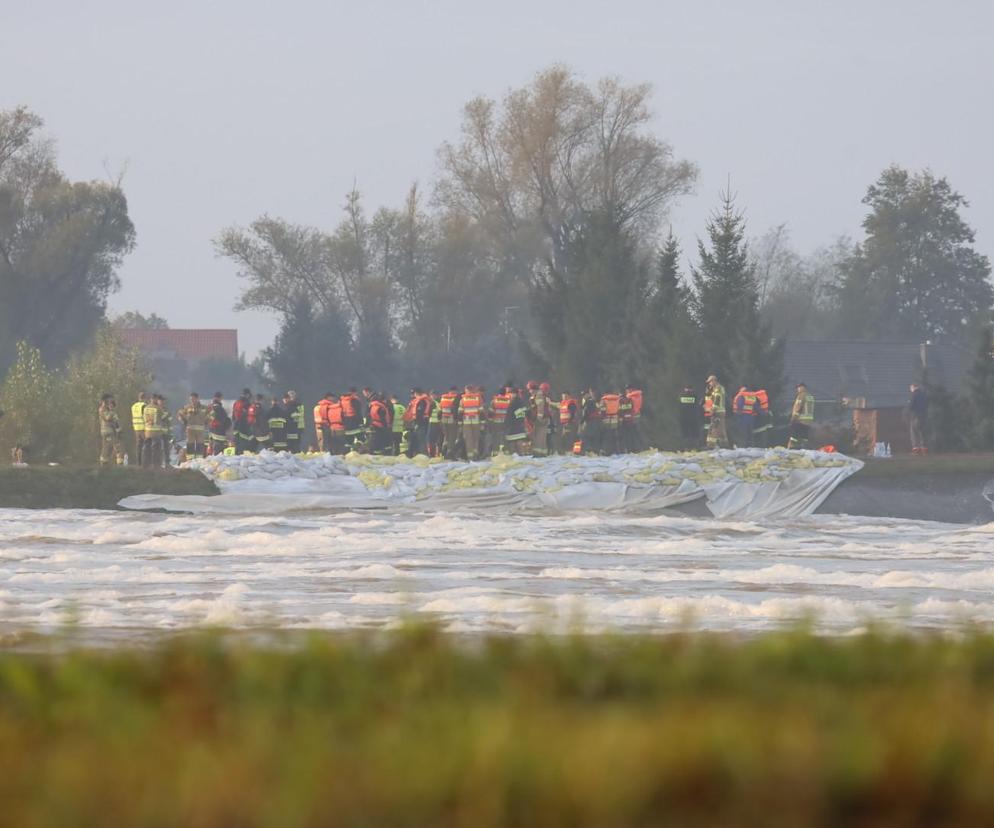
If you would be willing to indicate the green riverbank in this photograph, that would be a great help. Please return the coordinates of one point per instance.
(416, 727)
(87, 487)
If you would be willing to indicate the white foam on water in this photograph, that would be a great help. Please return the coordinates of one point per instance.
(501, 571)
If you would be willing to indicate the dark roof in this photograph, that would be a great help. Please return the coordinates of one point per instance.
(880, 372)
(185, 343)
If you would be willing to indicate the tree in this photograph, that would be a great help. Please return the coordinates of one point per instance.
(61, 243)
(736, 344)
(916, 274)
(529, 170)
(980, 393)
(135, 320)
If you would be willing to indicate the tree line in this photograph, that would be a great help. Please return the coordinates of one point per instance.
(540, 248)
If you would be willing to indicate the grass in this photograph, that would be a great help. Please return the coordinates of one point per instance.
(907, 464)
(417, 728)
(89, 487)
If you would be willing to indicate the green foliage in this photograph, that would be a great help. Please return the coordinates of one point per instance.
(419, 728)
(61, 243)
(53, 413)
(136, 320)
(736, 343)
(916, 274)
(980, 395)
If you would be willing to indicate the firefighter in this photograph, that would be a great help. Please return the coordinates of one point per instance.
(609, 407)
(110, 430)
(138, 424)
(516, 423)
(745, 408)
(240, 421)
(540, 406)
(764, 419)
(569, 422)
(626, 424)
(416, 418)
(690, 418)
(379, 425)
(167, 432)
(397, 423)
(714, 413)
(218, 423)
(590, 423)
(351, 418)
(152, 446)
(471, 412)
(278, 419)
(193, 416)
(435, 433)
(448, 406)
(296, 421)
(320, 414)
(802, 415)
(335, 413)
(259, 418)
(497, 427)
(634, 394)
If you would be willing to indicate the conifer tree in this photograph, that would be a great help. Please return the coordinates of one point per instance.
(980, 391)
(735, 343)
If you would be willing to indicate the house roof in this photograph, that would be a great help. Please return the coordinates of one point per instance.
(185, 343)
(880, 372)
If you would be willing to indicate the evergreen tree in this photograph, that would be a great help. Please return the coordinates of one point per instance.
(980, 391)
(916, 274)
(735, 343)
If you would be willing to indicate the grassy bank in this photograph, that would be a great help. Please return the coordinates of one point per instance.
(46, 487)
(907, 464)
(417, 729)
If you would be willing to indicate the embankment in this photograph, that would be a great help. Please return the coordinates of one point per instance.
(67, 487)
(949, 488)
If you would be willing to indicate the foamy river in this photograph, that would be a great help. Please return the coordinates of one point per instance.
(121, 573)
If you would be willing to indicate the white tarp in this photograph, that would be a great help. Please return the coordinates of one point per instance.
(740, 483)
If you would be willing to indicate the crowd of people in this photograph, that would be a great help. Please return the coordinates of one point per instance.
(461, 423)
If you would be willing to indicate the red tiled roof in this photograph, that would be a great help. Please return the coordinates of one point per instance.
(186, 343)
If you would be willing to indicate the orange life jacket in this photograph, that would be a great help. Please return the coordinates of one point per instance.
(411, 415)
(378, 417)
(635, 395)
(763, 399)
(708, 405)
(319, 413)
(447, 404)
(749, 404)
(610, 405)
(472, 407)
(498, 407)
(567, 414)
(350, 406)
(334, 413)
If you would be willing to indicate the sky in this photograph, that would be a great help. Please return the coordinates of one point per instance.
(218, 112)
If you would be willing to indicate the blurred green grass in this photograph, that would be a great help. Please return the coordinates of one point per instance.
(419, 728)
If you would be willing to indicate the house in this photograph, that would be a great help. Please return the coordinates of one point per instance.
(866, 384)
(175, 353)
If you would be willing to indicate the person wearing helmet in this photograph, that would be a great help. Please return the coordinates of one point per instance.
(540, 419)
(714, 411)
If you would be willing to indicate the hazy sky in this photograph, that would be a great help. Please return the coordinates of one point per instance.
(224, 110)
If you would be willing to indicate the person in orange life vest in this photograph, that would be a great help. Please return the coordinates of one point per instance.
(472, 413)
(416, 417)
(379, 425)
(448, 412)
(497, 428)
(745, 408)
(635, 437)
(764, 420)
(569, 422)
(610, 406)
(351, 417)
(335, 442)
(240, 421)
(322, 427)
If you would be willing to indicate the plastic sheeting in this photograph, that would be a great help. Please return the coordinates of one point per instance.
(739, 483)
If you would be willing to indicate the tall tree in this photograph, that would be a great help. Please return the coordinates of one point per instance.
(916, 274)
(980, 395)
(136, 320)
(61, 243)
(736, 344)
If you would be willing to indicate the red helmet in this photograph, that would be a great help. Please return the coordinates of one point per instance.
(545, 387)
(532, 385)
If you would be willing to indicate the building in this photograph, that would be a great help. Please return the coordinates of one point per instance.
(174, 354)
(865, 385)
